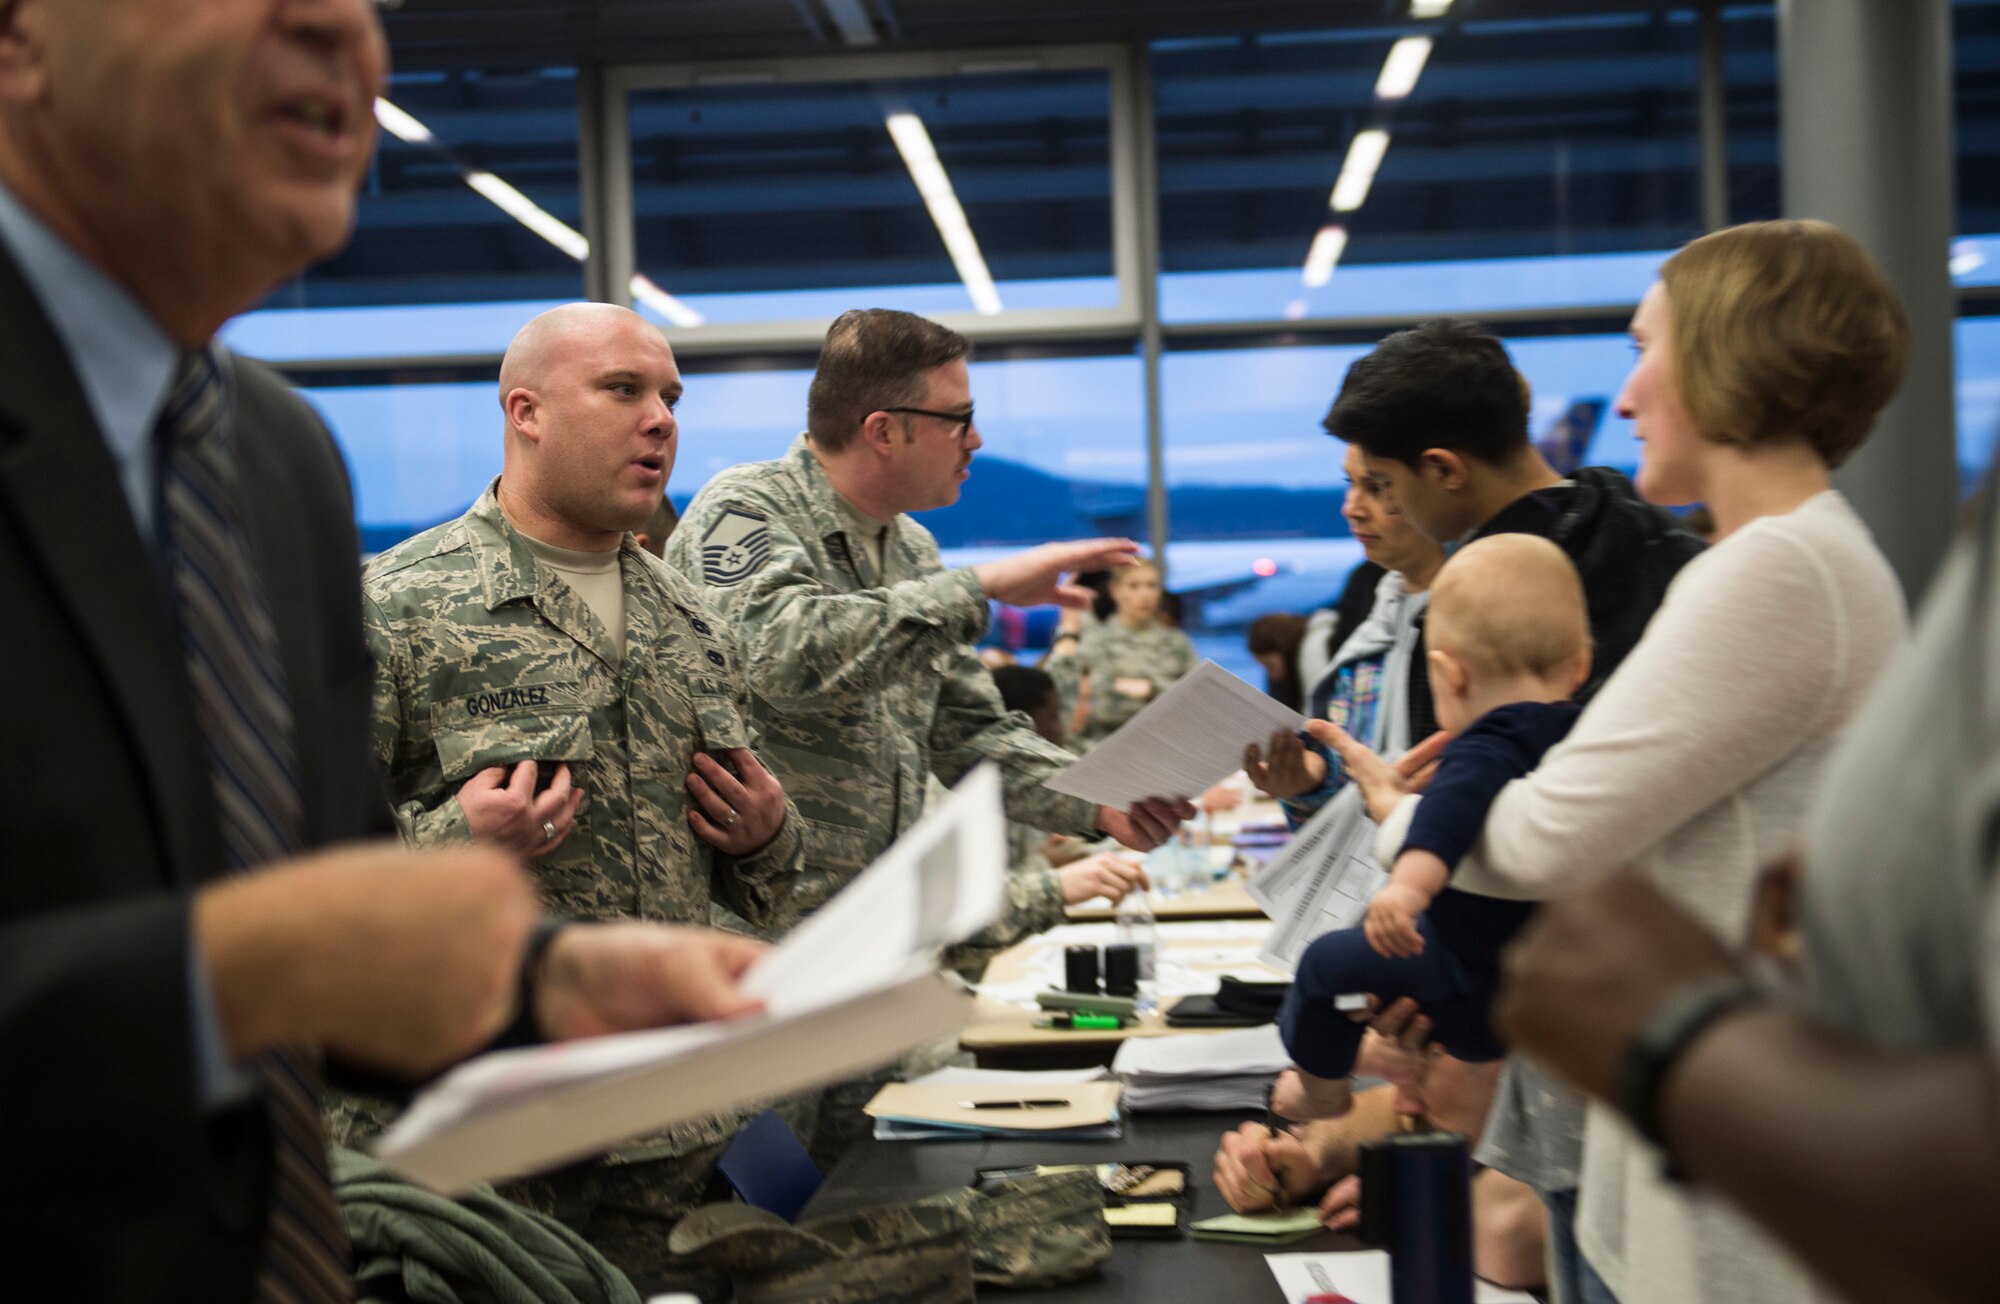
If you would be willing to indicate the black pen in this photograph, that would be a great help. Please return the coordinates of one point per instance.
(1013, 1104)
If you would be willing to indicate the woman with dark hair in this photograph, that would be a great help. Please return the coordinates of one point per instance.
(1375, 686)
(1274, 640)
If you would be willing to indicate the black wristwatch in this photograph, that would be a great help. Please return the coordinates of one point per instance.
(1683, 1016)
(526, 1029)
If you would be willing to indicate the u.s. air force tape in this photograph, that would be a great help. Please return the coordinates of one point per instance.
(735, 547)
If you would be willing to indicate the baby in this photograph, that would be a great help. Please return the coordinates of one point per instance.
(1509, 642)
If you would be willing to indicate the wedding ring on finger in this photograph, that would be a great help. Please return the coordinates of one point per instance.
(548, 830)
(729, 820)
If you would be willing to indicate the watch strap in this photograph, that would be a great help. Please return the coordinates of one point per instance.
(525, 1029)
(1682, 1017)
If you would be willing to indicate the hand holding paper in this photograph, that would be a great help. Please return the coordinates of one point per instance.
(1185, 743)
(604, 978)
(852, 987)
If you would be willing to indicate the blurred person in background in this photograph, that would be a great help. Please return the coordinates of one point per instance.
(1049, 871)
(1132, 657)
(1274, 641)
(652, 536)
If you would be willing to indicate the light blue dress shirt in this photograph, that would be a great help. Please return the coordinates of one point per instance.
(125, 362)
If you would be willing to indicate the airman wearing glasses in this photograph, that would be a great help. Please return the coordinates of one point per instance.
(857, 639)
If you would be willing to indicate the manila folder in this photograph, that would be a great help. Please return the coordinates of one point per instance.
(1086, 1104)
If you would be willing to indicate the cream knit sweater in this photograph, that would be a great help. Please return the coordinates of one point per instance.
(1696, 763)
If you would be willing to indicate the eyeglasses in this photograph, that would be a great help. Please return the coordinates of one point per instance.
(962, 420)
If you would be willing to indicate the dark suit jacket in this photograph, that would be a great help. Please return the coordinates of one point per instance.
(122, 1187)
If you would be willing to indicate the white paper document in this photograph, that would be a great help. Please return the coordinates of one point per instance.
(1214, 1071)
(1182, 745)
(1362, 1276)
(1321, 880)
(953, 1075)
(849, 989)
(1206, 1054)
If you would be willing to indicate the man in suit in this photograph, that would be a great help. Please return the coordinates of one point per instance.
(189, 687)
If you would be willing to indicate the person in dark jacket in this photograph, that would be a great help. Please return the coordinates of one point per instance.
(1441, 417)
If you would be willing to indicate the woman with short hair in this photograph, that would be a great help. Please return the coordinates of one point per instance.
(1375, 687)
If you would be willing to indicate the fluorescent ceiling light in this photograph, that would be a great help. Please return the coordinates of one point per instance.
(532, 215)
(644, 291)
(1429, 8)
(1327, 247)
(1357, 174)
(1402, 68)
(920, 157)
(400, 124)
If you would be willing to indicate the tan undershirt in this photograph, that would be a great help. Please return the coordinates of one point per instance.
(595, 577)
(869, 531)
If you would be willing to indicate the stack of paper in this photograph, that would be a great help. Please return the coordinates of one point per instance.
(1210, 1070)
(1320, 881)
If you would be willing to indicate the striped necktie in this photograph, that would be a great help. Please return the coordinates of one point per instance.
(243, 706)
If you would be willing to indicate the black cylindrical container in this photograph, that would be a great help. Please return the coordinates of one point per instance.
(1080, 969)
(1416, 1202)
(1121, 969)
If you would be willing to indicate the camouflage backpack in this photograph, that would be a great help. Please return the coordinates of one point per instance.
(1033, 1232)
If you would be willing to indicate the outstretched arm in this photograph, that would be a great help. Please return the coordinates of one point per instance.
(1880, 1168)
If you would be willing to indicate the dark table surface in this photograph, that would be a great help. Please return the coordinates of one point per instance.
(1157, 1272)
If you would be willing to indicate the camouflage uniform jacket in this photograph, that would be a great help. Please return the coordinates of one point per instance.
(1034, 905)
(485, 657)
(863, 684)
(1114, 650)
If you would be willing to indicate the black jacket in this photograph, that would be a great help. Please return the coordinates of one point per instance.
(129, 1189)
(1626, 550)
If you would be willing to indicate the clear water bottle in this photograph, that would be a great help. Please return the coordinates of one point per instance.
(1138, 930)
(1177, 865)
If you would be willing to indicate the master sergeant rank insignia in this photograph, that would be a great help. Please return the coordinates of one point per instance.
(735, 547)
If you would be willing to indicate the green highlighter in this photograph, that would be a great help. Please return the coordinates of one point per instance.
(1084, 1021)
(1281, 1227)
(1087, 1003)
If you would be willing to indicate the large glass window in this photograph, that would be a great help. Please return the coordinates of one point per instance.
(1064, 452)
(1975, 52)
(1496, 164)
(437, 266)
(987, 191)
(1255, 484)
(1976, 346)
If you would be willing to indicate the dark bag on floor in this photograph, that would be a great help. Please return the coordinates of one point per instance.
(1033, 1232)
